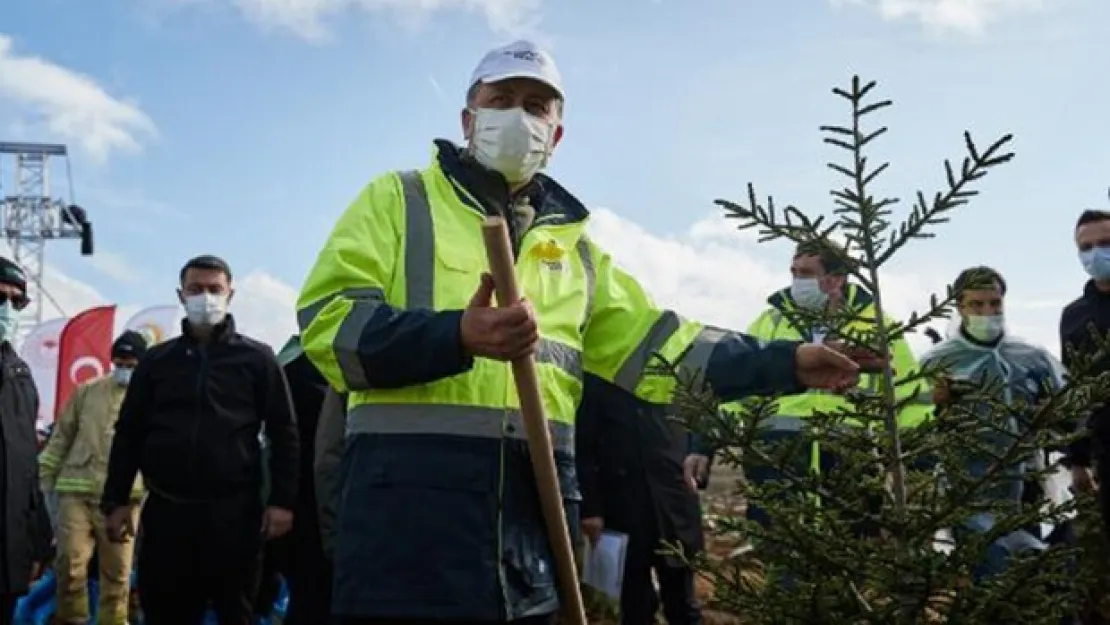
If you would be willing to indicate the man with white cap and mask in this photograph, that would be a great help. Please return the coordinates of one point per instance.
(439, 518)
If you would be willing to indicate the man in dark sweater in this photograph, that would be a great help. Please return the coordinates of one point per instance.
(1088, 314)
(190, 422)
(630, 458)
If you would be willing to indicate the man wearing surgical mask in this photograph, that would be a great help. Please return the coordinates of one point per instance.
(190, 421)
(982, 355)
(820, 295)
(74, 465)
(25, 534)
(1088, 314)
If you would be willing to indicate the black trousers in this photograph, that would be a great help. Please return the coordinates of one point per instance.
(299, 559)
(7, 608)
(534, 620)
(639, 601)
(198, 555)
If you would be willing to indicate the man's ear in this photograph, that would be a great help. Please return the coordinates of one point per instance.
(467, 120)
(557, 137)
(230, 294)
(180, 297)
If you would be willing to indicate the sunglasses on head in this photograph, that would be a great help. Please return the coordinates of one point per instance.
(19, 302)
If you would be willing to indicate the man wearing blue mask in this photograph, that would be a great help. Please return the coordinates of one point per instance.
(1090, 312)
(24, 523)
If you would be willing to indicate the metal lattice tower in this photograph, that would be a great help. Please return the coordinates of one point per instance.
(31, 214)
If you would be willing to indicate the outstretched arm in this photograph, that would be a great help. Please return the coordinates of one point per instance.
(626, 330)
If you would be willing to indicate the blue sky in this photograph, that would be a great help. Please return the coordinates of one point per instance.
(243, 128)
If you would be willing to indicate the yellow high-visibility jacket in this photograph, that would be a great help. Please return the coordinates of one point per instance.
(434, 436)
(775, 324)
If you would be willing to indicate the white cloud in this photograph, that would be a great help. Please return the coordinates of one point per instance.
(964, 16)
(308, 18)
(71, 106)
(115, 266)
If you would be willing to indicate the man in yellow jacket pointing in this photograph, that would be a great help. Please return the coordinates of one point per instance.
(439, 519)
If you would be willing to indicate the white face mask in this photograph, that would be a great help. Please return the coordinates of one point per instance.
(807, 293)
(511, 142)
(122, 375)
(985, 328)
(205, 309)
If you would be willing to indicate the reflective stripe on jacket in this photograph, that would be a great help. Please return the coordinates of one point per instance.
(75, 459)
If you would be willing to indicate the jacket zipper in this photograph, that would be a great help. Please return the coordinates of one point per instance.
(202, 381)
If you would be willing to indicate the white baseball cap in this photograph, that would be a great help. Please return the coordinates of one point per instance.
(520, 59)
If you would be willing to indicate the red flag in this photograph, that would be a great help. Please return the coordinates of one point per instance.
(84, 351)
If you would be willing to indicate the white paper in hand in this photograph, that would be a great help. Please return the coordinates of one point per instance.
(603, 569)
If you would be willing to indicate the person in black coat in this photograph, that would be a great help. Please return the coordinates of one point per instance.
(307, 571)
(25, 534)
(630, 459)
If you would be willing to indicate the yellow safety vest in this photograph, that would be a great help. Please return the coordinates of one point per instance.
(410, 241)
(774, 324)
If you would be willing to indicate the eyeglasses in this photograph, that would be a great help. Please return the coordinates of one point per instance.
(19, 302)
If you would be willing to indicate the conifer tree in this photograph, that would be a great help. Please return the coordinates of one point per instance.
(908, 485)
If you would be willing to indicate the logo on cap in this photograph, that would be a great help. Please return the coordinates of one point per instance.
(525, 55)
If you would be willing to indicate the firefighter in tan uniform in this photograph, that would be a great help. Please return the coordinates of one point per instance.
(74, 464)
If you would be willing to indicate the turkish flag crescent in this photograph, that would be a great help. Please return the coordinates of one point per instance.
(84, 351)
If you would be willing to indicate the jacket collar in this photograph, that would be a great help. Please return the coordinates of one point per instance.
(487, 191)
(856, 298)
(222, 333)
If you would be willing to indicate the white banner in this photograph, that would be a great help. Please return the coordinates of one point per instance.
(40, 351)
(157, 323)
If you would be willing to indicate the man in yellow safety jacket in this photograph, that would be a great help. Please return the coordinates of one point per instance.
(74, 464)
(820, 282)
(439, 519)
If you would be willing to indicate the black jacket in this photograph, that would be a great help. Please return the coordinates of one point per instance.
(191, 418)
(1090, 313)
(25, 535)
(629, 456)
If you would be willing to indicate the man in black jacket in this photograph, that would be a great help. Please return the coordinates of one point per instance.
(1091, 312)
(299, 556)
(24, 523)
(190, 422)
(630, 460)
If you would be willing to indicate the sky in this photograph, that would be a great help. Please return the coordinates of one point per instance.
(244, 128)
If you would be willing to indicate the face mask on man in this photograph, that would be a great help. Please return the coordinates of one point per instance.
(1096, 262)
(807, 293)
(511, 142)
(205, 309)
(985, 328)
(9, 321)
(122, 375)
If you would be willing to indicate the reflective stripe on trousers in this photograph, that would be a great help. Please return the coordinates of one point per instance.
(450, 420)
